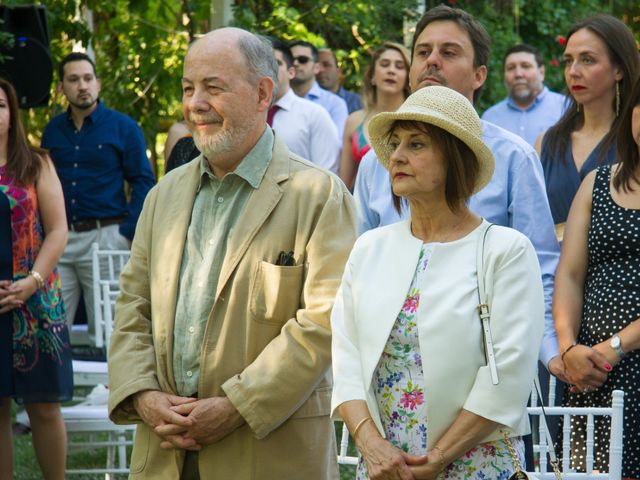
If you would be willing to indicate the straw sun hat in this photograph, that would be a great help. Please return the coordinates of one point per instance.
(444, 108)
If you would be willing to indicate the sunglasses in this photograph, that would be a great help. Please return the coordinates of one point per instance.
(302, 59)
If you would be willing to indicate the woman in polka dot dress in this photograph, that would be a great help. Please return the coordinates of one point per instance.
(597, 298)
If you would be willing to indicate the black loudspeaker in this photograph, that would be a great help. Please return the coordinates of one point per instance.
(29, 66)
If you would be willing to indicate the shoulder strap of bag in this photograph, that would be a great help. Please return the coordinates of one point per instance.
(485, 317)
(483, 307)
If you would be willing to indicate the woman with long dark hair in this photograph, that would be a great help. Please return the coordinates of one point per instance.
(38, 372)
(601, 65)
(596, 305)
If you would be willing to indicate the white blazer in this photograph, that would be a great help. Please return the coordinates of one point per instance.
(374, 287)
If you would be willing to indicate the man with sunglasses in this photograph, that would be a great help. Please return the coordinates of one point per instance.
(304, 84)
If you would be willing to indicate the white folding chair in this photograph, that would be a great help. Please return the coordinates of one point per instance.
(91, 418)
(88, 421)
(106, 266)
(343, 445)
(615, 439)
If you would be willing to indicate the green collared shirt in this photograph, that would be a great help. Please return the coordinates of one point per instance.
(217, 207)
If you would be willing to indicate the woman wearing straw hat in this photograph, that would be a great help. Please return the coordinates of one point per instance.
(422, 390)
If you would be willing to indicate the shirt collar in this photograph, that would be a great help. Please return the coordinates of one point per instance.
(533, 104)
(252, 167)
(314, 91)
(94, 116)
(286, 101)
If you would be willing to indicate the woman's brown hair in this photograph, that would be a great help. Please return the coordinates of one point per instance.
(627, 146)
(23, 160)
(623, 53)
(462, 164)
(369, 90)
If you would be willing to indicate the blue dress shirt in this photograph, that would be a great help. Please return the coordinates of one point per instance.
(515, 197)
(353, 99)
(529, 122)
(94, 162)
(335, 105)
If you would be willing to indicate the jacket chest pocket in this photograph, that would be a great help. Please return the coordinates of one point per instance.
(276, 292)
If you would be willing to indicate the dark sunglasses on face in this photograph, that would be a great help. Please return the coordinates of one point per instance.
(302, 59)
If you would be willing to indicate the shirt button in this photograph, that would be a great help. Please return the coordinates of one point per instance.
(77, 147)
(189, 373)
(73, 200)
(75, 165)
(211, 242)
(73, 184)
(192, 329)
(75, 218)
(220, 199)
(200, 284)
(99, 147)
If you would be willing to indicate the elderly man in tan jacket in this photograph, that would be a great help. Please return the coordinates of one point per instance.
(221, 345)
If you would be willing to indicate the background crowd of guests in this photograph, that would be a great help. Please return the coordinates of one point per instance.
(226, 326)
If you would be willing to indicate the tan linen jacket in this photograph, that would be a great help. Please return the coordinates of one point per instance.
(267, 338)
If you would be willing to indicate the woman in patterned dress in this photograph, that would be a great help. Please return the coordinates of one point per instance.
(31, 311)
(411, 378)
(596, 304)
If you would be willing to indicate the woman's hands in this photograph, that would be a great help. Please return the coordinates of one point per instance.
(14, 294)
(386, 462)
(586, 368)
(429, 470)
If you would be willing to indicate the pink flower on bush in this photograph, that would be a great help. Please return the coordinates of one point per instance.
(561, 40)
(555, 62)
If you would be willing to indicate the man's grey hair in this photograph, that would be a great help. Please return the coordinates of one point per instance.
(261, 62)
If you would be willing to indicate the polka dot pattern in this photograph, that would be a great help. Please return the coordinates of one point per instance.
(611, 302)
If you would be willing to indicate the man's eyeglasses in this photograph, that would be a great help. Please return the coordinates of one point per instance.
(301, 59)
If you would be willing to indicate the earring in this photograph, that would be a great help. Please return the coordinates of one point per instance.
(577, 107)
(373, 82)
(617, 98)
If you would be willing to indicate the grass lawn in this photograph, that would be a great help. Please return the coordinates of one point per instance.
(26, 468)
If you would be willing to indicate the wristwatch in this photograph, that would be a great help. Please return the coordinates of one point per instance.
(616, 344)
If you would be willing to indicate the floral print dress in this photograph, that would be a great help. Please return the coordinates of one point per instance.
(398, 384)
(41, 365)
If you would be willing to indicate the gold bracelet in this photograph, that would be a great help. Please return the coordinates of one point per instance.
(566, 350)
(38, 278)
(439, 450)
(360, 423)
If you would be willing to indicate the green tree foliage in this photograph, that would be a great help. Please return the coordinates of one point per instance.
(351, 28)
(139, 44)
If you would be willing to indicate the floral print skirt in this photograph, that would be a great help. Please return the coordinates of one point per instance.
(398, 383)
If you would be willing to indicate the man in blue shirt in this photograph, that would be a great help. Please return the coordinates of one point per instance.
(451, 48)
(304, 84)
(531, 108)
(95, 150)
(329, 75)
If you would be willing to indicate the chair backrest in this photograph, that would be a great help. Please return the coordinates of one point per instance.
(615, 439)
(616, 412)
(343, 456)
(106, 267)
(109, 294)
